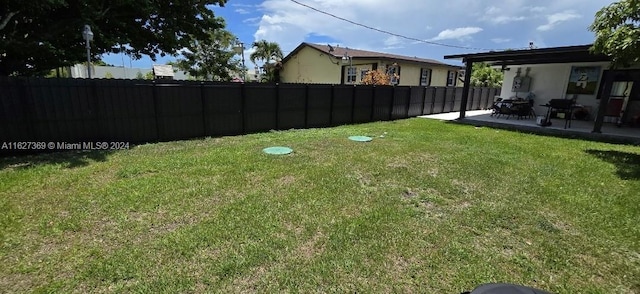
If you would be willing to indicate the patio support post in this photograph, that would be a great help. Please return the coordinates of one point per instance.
(465, 89)
(604, 101)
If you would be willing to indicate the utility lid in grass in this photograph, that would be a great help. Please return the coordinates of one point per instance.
(360, 138)
(277, 150)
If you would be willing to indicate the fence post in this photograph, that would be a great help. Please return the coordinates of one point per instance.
(331, 105)
(277, 106)
(444, 99)
(424, 98)
(408, 102)
(393, 102)
(28, 106)
(204, 115)
(155, 109)
(373, 103)
(433, 100)
(453, 101)
(306, 106)
(353, 103)
(242, 107)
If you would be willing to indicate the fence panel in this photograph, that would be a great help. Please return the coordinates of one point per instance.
(59, 113)
(429, 100)
(382, 103)
(260, 107)
(449, 97)
(342, 104)
(485, 98)
(137, 111)
(416, 101)
(223, 109)
(319, 106)
(457, 99)
(363, 104)
(179, 110)
(14, 112)
(477, 97)
(401, 98)
(126, 111)
(291, 107)
(438, 100)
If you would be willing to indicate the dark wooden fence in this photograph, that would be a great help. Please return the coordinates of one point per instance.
(138, 111)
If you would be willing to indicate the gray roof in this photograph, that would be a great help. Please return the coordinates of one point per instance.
(339, 52)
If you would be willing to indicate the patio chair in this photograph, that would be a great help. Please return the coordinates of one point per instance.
(523, 110)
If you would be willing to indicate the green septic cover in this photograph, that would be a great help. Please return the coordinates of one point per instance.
(360, 138)
(277, 150)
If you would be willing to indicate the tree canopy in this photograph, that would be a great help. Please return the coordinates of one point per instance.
(271, 54)
(211, 58)
(482, 75)
(37, 36)
(617, 29)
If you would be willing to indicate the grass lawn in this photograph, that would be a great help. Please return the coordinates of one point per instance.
(432, 207)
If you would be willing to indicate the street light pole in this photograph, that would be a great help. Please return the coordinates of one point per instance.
(88, 37)
(240, 47)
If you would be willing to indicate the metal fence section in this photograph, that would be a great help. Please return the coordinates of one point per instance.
(140, 111)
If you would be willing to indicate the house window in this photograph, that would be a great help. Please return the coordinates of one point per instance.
(351, 74)
(394, 73)
(425, 77)
(451, 78)
(363, 72)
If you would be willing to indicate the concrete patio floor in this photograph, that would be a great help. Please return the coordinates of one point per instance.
(579, 128)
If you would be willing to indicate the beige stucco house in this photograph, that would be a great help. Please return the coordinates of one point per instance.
(324, 64)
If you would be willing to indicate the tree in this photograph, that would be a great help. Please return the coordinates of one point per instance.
(37, 36)
(482, 75)
(376, 77)
(617, 29)
(211, 58)
(271, 54)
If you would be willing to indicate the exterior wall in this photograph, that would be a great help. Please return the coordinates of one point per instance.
(549, 81)
(410, 74)
(117, 72)
(360, 65)
(440, 74)
(311, 66)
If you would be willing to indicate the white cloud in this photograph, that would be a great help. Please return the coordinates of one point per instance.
(457, 33)
(535, 8)
(556, 18)
(500, 40)
(392, 41)
(492, 10)
(503, 19)
(242, 11)
(252, 20)
(289, 24)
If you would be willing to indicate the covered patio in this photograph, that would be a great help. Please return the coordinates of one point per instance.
(542, 75)
(579, 129)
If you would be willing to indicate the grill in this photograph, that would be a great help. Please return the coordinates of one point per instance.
(562, 106)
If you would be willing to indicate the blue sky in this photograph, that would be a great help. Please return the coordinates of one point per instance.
(480, 25)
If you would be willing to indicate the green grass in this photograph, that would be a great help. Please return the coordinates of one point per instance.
(431, 207)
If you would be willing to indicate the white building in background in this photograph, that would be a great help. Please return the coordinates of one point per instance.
(119, 72)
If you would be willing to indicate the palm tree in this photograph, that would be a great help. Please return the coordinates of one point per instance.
(271, 54)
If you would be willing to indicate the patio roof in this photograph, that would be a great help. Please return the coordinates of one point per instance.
(533, 56)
